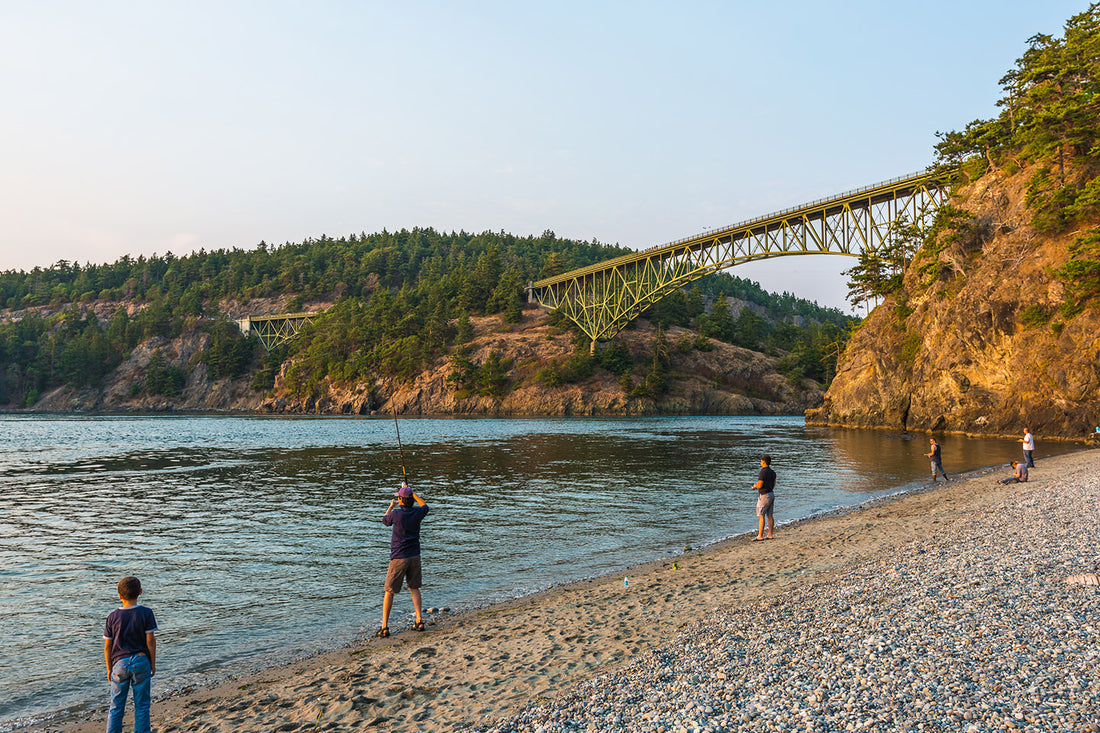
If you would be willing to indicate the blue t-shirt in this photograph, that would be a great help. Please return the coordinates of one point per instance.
(126, 629)
(405, 541)
(935, 453)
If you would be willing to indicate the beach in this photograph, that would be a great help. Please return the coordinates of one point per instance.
(946, 608)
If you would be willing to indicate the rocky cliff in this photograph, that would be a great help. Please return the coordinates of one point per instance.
(976, 341)
(725, 380)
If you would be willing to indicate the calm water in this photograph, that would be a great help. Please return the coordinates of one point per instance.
(258, 538)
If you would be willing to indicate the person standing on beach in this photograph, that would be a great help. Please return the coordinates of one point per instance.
(765, 503)
(1028, 442)
(937, 460)
(130, 650)
(404, 553)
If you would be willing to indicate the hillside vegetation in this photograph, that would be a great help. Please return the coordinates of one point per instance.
(155, 333)
(995, 324)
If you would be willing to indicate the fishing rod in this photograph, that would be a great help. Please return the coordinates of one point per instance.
(400, 450)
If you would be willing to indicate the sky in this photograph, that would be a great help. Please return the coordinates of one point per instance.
(140, 128)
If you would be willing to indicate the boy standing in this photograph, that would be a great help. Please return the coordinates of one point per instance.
(404, 553)
(130, 650)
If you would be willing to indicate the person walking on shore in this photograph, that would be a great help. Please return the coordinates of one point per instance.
(1028, 442)
(765, 503)
(404, 553)
(937, 460)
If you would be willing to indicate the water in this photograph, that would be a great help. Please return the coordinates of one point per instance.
(258, 538)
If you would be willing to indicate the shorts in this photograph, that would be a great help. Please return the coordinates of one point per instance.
(405, 569)
(765, 504)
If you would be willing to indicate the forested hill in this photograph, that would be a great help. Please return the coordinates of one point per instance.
(397, 303)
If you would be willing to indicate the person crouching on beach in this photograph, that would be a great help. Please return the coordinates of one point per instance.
(765, 503)
(937, 460)
(130, 650)
(1019, 474)
(404, 553)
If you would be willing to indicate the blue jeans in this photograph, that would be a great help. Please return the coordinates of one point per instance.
(126, 673)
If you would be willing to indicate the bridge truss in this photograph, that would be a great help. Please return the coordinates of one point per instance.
(276, 329)
(603, 298)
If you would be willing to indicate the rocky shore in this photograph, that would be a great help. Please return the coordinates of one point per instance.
(945, 609)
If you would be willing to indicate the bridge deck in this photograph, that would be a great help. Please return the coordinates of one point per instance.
(819, 209)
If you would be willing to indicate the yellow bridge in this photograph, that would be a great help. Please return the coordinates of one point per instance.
(603, 298)
(275, 329)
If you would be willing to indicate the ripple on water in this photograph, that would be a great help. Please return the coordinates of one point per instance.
(242, 527)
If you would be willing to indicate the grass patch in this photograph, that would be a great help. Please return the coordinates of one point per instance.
(910, 347)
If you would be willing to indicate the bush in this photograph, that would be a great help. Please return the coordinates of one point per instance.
(1035, 315)
(615, 358)
(161, 378)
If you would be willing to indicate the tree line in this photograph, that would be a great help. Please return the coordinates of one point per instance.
(403, 301)
(1049, 125)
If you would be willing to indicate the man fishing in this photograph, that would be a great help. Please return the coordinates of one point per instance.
(405, 519)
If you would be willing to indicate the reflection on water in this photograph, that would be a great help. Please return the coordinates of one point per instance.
(258, 538)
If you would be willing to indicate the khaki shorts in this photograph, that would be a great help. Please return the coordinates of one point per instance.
(403, 569)
(765, 504)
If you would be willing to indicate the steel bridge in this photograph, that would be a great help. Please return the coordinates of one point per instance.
(275, 329)
(603, 298)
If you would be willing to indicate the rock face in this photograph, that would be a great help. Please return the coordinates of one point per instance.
(725, 381)
(200, 393)
(975, 342)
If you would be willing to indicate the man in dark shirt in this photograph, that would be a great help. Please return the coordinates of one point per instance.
(404, 553)
(765, 504)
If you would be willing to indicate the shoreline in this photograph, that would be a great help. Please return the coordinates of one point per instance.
(1088, 441)
(480, 664)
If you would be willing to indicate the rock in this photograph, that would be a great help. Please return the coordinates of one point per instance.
(953, 353)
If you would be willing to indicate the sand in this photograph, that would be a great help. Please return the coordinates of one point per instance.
(479, 666)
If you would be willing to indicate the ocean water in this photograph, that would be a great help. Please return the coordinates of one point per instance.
(259, 539)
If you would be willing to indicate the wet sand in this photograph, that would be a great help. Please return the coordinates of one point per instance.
(476, 667)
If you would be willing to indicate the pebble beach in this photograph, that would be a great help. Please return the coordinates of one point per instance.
(991, 623)
(969, 606)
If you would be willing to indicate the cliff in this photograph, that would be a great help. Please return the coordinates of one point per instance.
(725, 380)
(977, 340)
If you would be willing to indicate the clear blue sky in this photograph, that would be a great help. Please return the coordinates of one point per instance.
(139, 127)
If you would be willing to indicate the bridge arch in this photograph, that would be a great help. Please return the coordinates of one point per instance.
(603, 298)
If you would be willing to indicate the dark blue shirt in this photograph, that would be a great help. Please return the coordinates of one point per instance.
(405, 541)
(126, 629)
(935, 453)
(766, 477)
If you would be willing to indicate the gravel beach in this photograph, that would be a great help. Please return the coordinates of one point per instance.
(972, 628)
(945, 609)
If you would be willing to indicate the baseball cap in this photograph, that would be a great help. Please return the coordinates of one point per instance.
(404, 492)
